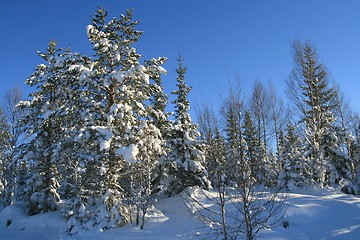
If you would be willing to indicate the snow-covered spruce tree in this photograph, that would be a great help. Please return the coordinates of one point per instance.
(159, 100)
(159, 116)
(77, 146)
(43, 125)
(355, 148)
(184, 162)
(313, 96)
(56, 112)
(346, 156)
(294, 171)
(354, 185)
(152, 126)
(119, 143)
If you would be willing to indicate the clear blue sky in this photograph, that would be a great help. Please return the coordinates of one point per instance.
(217, 38)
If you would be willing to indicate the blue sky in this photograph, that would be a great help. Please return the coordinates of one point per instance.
(218, 39)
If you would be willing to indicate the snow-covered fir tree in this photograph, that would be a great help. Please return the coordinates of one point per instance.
(351, 185)
(159, 116)
(43, 126)
(184, 162)
(120, 144)
(295, 171)
(95, 128)
(314, 97)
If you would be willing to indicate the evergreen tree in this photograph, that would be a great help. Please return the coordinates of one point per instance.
(295, 171)
(43, 126)
(158, 115)
(314, 97)
(186, 157)
(345, 161)
(119, 143)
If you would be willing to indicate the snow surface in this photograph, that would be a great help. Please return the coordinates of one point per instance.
(311, 214)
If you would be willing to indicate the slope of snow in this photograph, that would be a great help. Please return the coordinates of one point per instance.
(321, 214)
(311, 214)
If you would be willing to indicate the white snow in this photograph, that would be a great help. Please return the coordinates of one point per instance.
(129, 153)
(162, 70)
(311, 214)
(145, 77)
(105, 138)
(118, 75)
(84, 71)
(104, 144)
(89, 28)
(23, 104)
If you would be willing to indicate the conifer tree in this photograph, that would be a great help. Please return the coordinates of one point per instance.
(119, 142)
(185, 160)
(313, 96)
(294, 167)
(158, 115)
(346, 136)
(43, 126)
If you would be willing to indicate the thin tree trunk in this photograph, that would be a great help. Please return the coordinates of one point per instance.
(137, 215)
(143, 217)
(221, 189)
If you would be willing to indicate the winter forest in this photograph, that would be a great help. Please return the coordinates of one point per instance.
(95, 139)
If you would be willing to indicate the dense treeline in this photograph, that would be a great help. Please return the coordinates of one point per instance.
(95, 135)
(314, 140)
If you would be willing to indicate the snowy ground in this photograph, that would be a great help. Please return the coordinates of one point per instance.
(312, 214)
